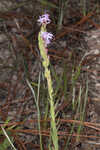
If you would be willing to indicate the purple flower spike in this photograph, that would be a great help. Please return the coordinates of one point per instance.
(47, 37)
(44, 19)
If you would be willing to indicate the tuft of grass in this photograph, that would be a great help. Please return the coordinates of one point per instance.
(62, 11)
(48, 4)
(36, 98)
(8, 140)
(83, 5)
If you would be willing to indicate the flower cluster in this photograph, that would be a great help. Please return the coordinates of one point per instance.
(44, 19)
(46, 36)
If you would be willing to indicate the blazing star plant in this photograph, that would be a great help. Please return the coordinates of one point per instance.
(44, 38)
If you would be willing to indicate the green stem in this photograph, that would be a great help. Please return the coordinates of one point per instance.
(46, 63)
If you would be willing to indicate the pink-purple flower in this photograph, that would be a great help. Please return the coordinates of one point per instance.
(44, 19)
(47, 37)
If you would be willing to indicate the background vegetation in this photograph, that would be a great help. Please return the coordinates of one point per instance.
(74, 56)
